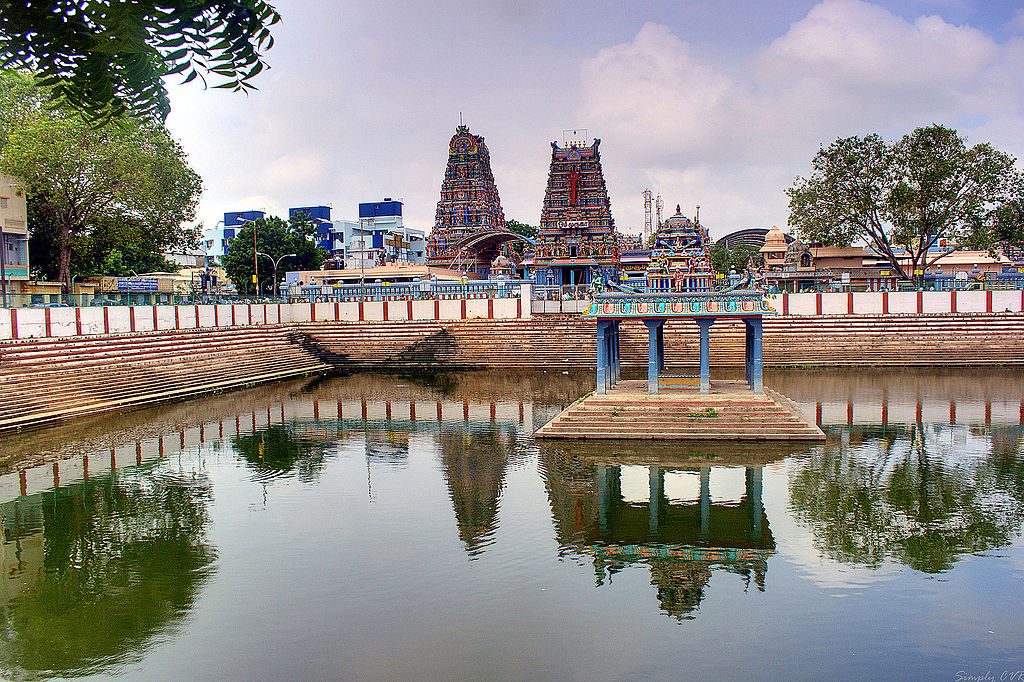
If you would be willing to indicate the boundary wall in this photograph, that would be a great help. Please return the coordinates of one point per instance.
(27, 323)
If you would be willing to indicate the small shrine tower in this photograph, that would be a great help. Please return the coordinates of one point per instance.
(577, 232)
(469, 207)
(681, 256)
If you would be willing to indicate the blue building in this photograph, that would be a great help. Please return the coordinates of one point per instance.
(321, 216)
(217, 238)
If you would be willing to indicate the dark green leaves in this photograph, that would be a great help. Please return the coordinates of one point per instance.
(913, 201)
(107, 59)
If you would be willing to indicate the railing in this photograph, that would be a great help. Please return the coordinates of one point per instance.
(406, 291)
(103, 299)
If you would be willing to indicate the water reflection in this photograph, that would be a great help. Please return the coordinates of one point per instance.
(681, 540)
(96, 572)
(281, 450)
(922, 495)
(104, 561)
(474, 462)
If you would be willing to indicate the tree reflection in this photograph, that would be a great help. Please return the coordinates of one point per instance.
(899, 496)
(280, 450)
(97, 572)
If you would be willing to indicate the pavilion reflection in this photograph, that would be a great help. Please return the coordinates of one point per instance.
(681, 541)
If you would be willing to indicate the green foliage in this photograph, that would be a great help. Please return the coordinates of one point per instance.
(706, 413)
(107, 59)
(523, 229)
(927, 190)
(908, 504)
(111, 248)
(274, 237)
(723, 258)
(131, 180)
(277, 451)
(519, 248)
(123, 560)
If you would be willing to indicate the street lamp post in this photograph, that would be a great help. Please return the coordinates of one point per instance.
(276, 262)
(3, 263)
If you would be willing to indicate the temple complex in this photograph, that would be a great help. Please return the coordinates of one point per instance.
(680, 257)
(577, 232)
(469, 225)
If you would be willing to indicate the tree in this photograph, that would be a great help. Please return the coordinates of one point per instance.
(523, 230)
(917, 200)
(723, 258)
(109, 59)
(114, 248)
(130, 174)
(274, 237)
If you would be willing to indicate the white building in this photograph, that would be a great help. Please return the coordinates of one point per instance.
(13, 230)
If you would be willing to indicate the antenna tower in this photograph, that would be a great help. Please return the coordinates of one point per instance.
(647, 215)
(660, 207)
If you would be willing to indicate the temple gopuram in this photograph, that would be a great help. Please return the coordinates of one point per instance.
(469, 226)
(681, 256)
(577, 233)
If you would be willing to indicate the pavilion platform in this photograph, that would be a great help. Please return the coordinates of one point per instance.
(729, 411)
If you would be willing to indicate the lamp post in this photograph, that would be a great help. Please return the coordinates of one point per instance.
(276, 262)
(3, 263)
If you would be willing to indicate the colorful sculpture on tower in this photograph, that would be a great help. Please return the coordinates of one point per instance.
(577, 240)
(681, 256)
(469, 206)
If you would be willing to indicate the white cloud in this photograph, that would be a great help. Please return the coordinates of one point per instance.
(848, 67)
(363, 97)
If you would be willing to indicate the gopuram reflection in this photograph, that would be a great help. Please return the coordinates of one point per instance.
(681, 540)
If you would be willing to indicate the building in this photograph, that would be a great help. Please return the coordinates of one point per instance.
(13, 232)
(380, 237)
(186, 258)
(469, 224)
(321, 217)
(216, 238)
(577, 232)
(748, 236)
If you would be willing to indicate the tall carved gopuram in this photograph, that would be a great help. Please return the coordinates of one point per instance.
(469, 210)
(577, 232)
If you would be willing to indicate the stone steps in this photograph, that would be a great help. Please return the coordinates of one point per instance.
(47, 380)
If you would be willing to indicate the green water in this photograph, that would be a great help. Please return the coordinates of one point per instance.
(377, 527)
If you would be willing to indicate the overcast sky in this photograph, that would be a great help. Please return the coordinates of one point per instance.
(710, 102)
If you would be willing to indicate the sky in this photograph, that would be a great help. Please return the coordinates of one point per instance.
(711, 103)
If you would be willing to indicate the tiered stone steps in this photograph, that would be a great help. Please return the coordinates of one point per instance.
(567, 342)
(45, 380)
(731, 415)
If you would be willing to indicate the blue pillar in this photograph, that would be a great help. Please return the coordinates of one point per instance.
(661, 346)
(754, 499)
(746, 352)
(616, 352)
(705, 501)
(657, 492)
(602, 357)
(705, 353)
(652, 355)
(756, 376)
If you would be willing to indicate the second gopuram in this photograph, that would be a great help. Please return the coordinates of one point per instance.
(577, 239)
